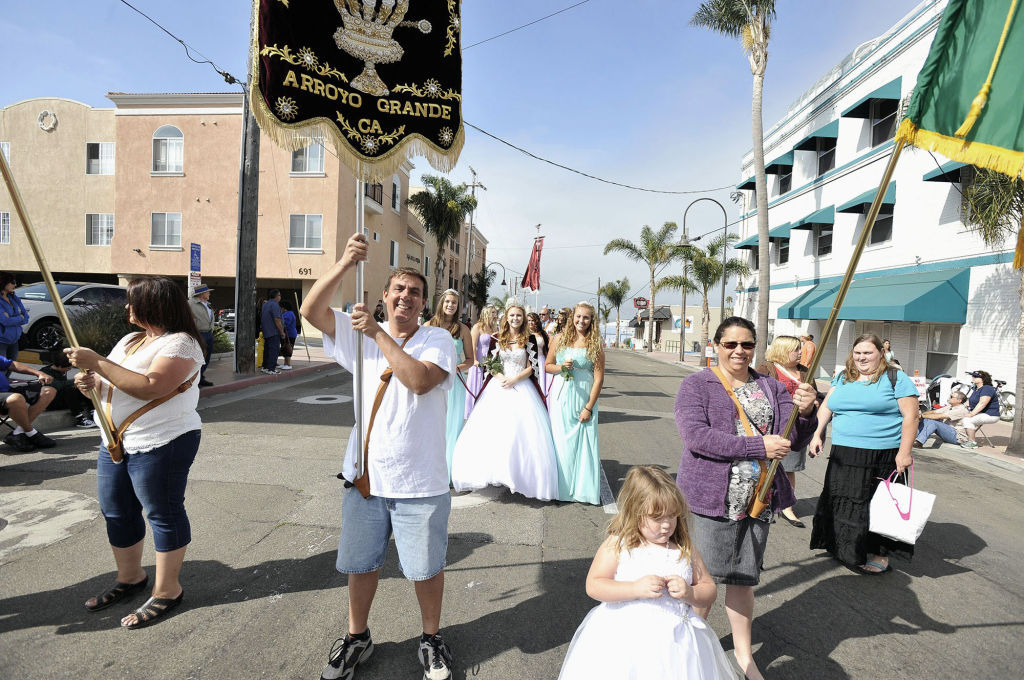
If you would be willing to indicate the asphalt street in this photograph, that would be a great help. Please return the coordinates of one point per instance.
(263, 600)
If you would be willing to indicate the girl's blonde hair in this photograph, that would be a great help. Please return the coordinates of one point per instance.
(851, 373)
(780, 348)
(488, 318)
(649, 492)
(507, 336)
(454, 326)
(560, 325)
(593, 337)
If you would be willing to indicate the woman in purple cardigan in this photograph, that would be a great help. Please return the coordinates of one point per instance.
(721, 463)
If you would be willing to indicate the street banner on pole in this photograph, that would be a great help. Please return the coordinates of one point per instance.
(381, 78)
(531, 277)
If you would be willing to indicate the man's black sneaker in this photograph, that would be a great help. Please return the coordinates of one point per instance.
(19, 442)
(205, 383)
(41, 441)
(435, 657)
(347, 653)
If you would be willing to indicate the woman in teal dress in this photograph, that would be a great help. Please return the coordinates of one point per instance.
(447, 316)
(573, 405)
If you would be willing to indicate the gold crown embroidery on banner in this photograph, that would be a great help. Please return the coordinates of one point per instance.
(366, 35)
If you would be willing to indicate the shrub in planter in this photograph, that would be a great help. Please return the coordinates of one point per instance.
(100, 327)
(221, 340)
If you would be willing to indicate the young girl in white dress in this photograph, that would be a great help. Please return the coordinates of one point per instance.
(507, 439)
(648, 576)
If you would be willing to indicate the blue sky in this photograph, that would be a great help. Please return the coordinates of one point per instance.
(622, 90)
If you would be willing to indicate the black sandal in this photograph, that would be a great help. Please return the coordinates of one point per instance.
(155, 608)
(120, 591)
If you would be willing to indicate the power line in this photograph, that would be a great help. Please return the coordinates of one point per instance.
(594, 177)
(228, 78)
(518, 28)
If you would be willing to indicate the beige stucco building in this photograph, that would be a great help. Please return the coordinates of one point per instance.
(116, 193)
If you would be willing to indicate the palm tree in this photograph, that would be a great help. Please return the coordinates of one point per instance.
(616, 293)
(442, 207)
(656, 249)
(750, 21)
(479, 284)
(993, 205)
(704, 272)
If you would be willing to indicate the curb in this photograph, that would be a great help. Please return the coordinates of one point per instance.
(260, 379)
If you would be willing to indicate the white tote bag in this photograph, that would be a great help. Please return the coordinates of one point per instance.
(899, 511)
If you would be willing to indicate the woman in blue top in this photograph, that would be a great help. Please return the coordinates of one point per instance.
(984, 405)
(875, 415)
(12, 316)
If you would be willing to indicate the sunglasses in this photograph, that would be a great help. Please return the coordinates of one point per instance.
(731, 344)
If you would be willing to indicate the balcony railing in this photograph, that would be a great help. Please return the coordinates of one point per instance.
(375, 191)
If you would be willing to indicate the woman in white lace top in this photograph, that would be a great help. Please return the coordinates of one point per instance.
(507, 439)
(159, 364)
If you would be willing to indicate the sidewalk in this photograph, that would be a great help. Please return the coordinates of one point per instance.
(998, 433)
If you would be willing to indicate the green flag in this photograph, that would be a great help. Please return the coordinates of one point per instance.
(967, 101)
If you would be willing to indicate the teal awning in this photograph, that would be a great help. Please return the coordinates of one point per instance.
(780, 165)
(947, 172)
(746, 184)
(862, 203)
(932, 297)
(748, 242)
(780, 233)
(810, 142)
(823, 216)
(862, 108)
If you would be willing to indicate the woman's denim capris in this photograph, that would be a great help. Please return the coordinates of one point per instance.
(154, 481)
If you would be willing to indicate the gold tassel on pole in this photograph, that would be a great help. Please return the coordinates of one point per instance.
(51, 287)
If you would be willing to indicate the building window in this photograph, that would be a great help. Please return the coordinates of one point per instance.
(165, 230)
(822, 240)
(99, 158)
(168, 150)
(305, 232)
(826, 152)
(782, 252)
(753, 258)
(5, 227)
(99, 229)
(883, 120)
(426, 265)
(393, 257)
(376, 236)
(882, 231)
(309, 160)
(943, 348)
(785, 181)
(396, 193)
(374, 192)
(5, 149)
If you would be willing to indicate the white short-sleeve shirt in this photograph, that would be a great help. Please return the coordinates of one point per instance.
(407, 443)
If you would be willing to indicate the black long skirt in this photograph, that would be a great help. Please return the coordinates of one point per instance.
(842, 516)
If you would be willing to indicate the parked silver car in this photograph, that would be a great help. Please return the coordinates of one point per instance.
(43, 330)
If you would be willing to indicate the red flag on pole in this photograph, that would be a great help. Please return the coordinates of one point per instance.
(531, 277)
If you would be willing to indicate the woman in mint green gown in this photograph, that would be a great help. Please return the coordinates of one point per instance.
(447, 316)
(573, 405)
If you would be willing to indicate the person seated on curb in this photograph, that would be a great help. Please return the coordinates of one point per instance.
(23, 404)
(934, 422)
(68, 397)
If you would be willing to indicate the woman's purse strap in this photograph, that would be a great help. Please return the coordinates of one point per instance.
(143, 410)
(732, 395)
(134, 345)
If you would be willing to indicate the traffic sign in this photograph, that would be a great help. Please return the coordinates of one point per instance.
(640, 302)
(195, 258)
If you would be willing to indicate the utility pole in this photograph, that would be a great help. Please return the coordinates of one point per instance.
(469, 235)
(245, 267)
(597, 312)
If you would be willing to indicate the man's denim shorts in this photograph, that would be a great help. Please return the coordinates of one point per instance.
(420, 526)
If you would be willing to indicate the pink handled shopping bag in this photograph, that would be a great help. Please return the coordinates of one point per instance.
(899, 511)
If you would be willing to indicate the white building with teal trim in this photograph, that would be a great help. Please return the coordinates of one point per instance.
(947, 302)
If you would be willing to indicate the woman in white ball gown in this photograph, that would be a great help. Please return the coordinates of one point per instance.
(507, 439)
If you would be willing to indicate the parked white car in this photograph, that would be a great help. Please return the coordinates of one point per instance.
(43, 330)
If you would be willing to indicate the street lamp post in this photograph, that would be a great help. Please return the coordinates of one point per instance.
(683, 242)
(502, 273)
(725, 245)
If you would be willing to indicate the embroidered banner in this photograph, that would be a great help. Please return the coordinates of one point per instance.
(381, 78)
(531, 277)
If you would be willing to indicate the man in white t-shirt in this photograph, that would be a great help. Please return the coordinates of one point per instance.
(408, 473)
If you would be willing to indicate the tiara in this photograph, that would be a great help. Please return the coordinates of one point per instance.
(451, 290)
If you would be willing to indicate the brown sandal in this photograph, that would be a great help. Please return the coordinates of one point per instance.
(154, 608)
(120, 591)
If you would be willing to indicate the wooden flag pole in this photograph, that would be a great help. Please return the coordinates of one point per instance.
(760, 500)
(51, 287)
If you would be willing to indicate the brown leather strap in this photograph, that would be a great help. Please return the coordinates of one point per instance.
(739, 408)
(145, 408)
(362, 482)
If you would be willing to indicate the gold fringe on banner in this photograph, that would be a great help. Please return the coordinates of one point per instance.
(1006, 161)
